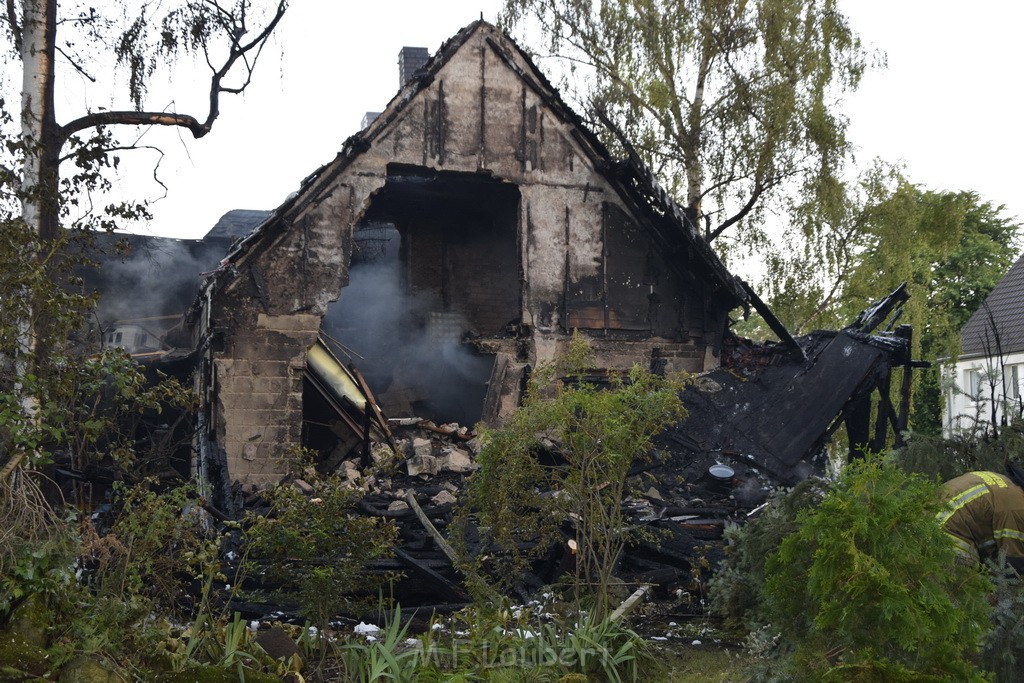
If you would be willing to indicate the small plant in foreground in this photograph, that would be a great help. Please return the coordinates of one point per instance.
(387, 657)
(314, 547)
(1002, 651)
(521, 645)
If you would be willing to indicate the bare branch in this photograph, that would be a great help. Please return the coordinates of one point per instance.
(78, 67)
(12, 20)
(198, 128)
(239, 50)
(759, 189)
(224, 14)
(134, 118)
(115, 148)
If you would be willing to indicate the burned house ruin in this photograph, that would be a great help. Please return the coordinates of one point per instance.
(452, 244)
(456, 242)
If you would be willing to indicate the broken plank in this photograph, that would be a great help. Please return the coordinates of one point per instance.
(421, 567)
(410, 498)
(630, 603)
(371, 402)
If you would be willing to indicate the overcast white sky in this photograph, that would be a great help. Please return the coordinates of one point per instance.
(948, 104)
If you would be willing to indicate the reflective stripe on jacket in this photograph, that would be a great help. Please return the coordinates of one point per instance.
(984, 514)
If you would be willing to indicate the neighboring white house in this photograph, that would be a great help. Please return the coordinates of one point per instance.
(991, 363)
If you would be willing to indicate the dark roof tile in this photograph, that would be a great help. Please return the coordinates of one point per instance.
(1005, 308)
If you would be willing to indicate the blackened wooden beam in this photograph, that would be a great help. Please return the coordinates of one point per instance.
(453, 590)
(774, 323)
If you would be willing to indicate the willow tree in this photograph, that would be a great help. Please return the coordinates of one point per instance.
(951, 248)
(733, 103)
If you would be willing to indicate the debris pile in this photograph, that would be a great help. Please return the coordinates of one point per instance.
(760, 421)
(417, 479)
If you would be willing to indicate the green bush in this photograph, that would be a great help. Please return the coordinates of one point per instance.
(315, 548)
(597, 435)
(736, 585)
(947, 459)
(1002, 651)
(868, 587)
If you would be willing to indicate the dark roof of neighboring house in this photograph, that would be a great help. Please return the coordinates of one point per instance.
(237, 223)
(1003, 310)
(141, 275)
(671, 227)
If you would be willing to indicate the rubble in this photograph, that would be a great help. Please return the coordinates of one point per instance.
(419, 465)
(758, 422)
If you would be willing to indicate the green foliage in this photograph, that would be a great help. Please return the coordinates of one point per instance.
(157, 539)
(951, 248)
(35, 567)
(736, 585)
(868, 588)
(386, 657)
(597, 435)
(606, 649)
(945, 459)
(521, 645)
(138, 569)
(315, 545)
(1002, 651)
(86, 405)
(729, 102)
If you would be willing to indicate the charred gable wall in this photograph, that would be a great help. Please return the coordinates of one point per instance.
(574, 253)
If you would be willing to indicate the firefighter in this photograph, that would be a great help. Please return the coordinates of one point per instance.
(984, 514)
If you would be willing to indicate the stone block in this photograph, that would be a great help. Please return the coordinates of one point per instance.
(398, 506)
(423, 465)
(297, 322)
(475, 445)
(422, 447)
(456, 460)
(349, 470)
(443, 498)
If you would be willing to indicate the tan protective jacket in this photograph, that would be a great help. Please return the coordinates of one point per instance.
(984, 515)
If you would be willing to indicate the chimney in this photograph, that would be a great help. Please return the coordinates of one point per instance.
(410, 60)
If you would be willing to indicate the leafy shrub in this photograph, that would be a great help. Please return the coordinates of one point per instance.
(134, 574)
(736, 585)
(62, 393)
(946, 459)
(37, 545)
(868, 587)
(156, 543)
(597, 434)
(1002, 651)
(314, 546)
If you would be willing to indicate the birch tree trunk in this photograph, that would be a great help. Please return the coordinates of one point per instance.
(40, 181)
